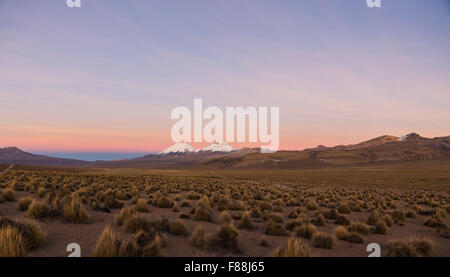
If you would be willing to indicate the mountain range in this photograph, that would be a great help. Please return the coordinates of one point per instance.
(222, 155)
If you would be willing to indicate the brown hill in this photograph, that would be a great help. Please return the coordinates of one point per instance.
(381, 149)
(13, 155)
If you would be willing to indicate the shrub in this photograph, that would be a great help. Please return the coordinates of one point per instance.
(274, 229)
(344, 208)
(340, 233)
(198, 238)
(373, 218)
(136, 223)
(305, 231)
(108, 245)
(246, 221)
(24, 203)
(409, 248)
(411, 214)
(153, 249)
(142, 238)
(441, 213)
(342, 220)
(312, 205)
(398, 216)
(319, 220)
(359, 227)
(354, 237)
(202, 213)
(11, 242)
(125, 213)
(163, 202)
(381, 227)
(225, 217)
(387, 219)
(435, 222)
(31, 232)
(141, 206)
(321, 240)
(37, 210)
(226, 238)
(294, 247)
(178, 228)
(331, 214)
(9, 195)
(75, 212)
(291, 225)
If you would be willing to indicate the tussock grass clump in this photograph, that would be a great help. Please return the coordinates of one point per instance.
(387, 219)
(411, 214)
(341, 233)
(136, 223)
(381, 227)
(359, 227)
(373, 218)
(141, 206)
(331, 214)
(342, 220)
(435, 222)
(162, 202)
(441, 213)
(398, 216)
(246, 221)
(354, 237)
(198, 238)
(37, 210)
(344, 208)
(274, 229)
(319, 220)
(226, 238)
(312, 205)
(321, 240)
(203, 210)
(24, 203)
(294, 247)
(75, 212)
(142, 238)
(305, 231)
(108, 244)
(225, 217)
(410, 248)
(9, 195)
(178, 228)
(291, 225)
(202, 213)
(11, 242)
(31, 231)
(193, 196)
(125, 213)
(153, 249)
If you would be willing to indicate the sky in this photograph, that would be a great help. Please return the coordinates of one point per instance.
(105, 77)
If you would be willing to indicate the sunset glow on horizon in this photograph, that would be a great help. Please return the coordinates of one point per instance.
(105, 77)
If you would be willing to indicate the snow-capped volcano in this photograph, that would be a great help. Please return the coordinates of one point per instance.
(178, 148)
(218, 147)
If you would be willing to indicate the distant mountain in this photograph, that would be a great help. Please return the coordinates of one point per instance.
(13, 155)
(218, 147)
(381, 149)
(178, 148)
(181, 155)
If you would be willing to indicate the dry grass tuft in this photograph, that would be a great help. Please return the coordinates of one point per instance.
(11, 242)
(294, 247)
